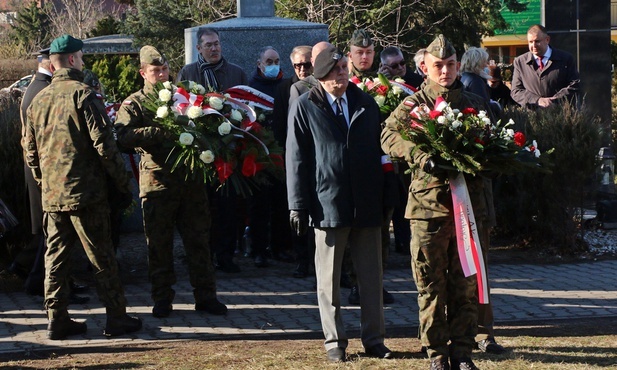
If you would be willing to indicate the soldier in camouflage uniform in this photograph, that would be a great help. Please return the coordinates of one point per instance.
(168, 199)
(447, 300)
(70, 147)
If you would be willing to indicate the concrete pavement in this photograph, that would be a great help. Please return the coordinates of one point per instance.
(267, 303)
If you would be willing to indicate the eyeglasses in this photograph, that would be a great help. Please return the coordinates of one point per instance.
(299, 66)
(397, 65)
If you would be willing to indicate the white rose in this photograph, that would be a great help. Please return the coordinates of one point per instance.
(396, 90)
(380, 99)
(362, 86)
(216, 102)
(486, 120)
(194, 112)
(198, 89)
(186, 138)
(236, 115)
(191, 85)
(441, 119)
(207, 156)
(399, 80)
(165, 95)
(224, 128)
(482, 114)
(162, 112)
(167, 85)
(456, 124)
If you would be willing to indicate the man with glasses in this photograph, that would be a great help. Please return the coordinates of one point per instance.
(393, 65)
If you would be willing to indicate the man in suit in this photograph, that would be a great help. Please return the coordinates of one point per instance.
(544, 75)
(335, 184)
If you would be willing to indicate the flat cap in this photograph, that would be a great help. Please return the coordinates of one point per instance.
(441, 48)
(325, 61)
(361, 38)
(65, 44)
(151, 55)
(43, 54)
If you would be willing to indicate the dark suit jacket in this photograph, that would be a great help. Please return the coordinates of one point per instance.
(39, 82)
(559, 78)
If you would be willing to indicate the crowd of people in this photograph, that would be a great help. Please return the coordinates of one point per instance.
(346, 184)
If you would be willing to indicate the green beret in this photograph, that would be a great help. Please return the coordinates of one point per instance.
(441, 48)
(150, 55)
(65, 44)
(361, 38)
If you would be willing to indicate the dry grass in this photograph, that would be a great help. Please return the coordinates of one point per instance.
(564, 345)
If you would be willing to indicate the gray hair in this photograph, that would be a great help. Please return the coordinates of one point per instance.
(474, 60)
(302, 50)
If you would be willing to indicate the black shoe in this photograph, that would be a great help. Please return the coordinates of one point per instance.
(301, 271)
(261, 261)
(211, 306)
(388, 298)
(346, 281)
(379, 351)
(440, 364)
(228, 266)
(77, 299)
(463, 364)
(78, 288)
(489, 345)
(162, 308)
(58, 329)
(121, 325)
(336, 354)
(354, 296)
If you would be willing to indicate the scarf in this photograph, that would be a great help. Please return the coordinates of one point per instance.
(208, 69)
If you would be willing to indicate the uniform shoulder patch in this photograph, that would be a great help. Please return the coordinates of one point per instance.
(127, 102)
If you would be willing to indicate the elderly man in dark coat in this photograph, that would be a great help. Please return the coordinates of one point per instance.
(335, 182)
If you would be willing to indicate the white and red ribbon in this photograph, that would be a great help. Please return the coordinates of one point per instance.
(251, 96)
(467, 238)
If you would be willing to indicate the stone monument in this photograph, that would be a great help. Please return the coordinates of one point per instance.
(256, 27)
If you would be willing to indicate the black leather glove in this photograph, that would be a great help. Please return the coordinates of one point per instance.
(430, 165)
(298, 219)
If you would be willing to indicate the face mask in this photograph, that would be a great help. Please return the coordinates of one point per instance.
(272, 71)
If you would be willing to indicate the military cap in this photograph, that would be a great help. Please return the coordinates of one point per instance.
(43, 54)
(441, 48)
(325, 61)
(150, 55)
(361, 38)
(65, 44)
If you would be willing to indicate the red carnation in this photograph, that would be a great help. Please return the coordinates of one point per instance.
(250, 167)
(382, 90)
(223, 169)
(520, 139)
(434, 114)
(470, 111)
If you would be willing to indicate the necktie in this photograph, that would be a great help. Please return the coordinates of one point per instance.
(340, 116)
(540, 64)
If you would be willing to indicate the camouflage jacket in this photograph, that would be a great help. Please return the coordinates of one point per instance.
(137, 129)
(69, 144)
(429, 194)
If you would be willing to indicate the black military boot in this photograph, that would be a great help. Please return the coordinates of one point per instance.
(122, 324)
(60, 328)
(205, 300)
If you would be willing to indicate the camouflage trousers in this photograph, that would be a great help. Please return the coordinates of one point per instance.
(92, 227)
(447, 300)
(187, 210)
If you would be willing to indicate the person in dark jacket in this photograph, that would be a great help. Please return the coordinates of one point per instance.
(266, 78)
(393, 65)
(335, 184)
(498, 90)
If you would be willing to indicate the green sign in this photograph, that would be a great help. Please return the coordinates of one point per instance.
(519, 22)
